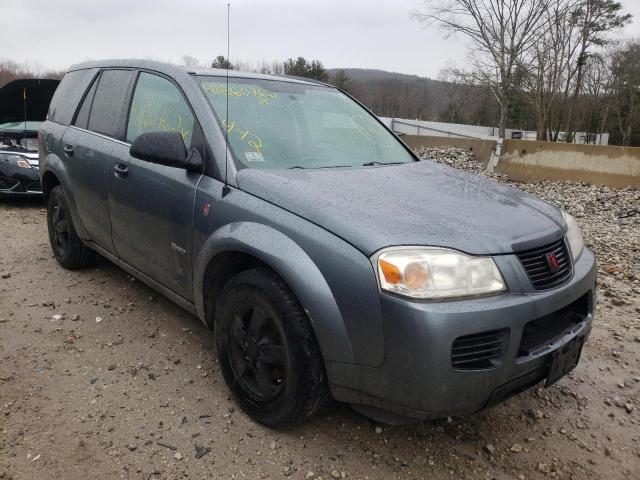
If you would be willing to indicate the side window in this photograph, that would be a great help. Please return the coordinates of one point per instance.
(108, 103)
(158, 105)
(82, 119)
(68, 94)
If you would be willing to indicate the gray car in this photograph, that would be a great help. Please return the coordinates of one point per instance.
(330, 261)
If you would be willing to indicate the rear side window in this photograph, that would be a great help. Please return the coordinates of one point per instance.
(68, 94)
(82, 120)
(108, 102)
(158, 105)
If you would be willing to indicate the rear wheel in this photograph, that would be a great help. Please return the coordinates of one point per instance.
(67, 247)
(268, 354)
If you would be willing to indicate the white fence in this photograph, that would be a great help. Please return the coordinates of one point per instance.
(441, 129)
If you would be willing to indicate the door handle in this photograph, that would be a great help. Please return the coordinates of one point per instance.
(121, 170)
(68, 150)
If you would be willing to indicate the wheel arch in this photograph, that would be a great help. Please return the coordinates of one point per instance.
(239, 246)
(55, 173)
(49, 181)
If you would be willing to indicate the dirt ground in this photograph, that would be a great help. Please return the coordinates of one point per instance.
(102, 378)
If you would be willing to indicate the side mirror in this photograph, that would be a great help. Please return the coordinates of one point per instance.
(165, 148)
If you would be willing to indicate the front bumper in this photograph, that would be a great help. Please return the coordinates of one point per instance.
(19, 182)
(417, 378)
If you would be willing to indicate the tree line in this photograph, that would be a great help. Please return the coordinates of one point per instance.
(552, 66)
(10, 70)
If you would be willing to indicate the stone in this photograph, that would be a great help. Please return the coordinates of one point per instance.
(534, 413)
(516, 448)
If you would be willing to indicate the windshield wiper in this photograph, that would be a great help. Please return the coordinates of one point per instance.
(371, 164)
(318, 168)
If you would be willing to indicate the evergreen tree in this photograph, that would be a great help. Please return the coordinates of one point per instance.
(300, 67)
(341, 80)
(222, 62)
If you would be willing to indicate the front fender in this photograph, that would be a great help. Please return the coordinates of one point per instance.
(54, 165)
(290, 261)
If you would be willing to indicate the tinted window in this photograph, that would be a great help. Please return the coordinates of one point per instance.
(68, 94)
(108, 102)
(82, 119)
(158, 105)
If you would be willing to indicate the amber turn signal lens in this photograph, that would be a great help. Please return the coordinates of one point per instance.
(392, 274)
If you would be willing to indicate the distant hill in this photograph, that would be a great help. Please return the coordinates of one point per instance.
(367, 74)
(393, 94)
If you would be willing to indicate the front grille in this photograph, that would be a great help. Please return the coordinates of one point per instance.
(480, 350)
(540, 272)
(543, 332)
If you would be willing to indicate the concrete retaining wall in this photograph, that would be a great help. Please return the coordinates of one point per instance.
(528, 161)
(482, 149)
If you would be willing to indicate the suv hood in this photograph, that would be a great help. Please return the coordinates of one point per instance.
(422, 203)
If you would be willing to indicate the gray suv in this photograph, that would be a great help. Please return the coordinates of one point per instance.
(330, 261)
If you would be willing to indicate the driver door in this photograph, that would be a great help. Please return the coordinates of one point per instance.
(150, 205)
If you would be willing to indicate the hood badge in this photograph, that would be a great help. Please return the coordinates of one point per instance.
(552, 261)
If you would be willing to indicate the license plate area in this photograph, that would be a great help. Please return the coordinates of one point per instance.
(564, 359)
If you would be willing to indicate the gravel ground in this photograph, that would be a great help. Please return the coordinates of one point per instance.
(100, 377)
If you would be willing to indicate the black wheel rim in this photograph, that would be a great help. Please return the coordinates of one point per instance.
(60, 228)
(257, 353)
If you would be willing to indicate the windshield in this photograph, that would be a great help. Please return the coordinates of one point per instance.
(29, 126)
(274, 124)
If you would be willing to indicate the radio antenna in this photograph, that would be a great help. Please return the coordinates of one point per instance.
(24, 101)
(226, 122)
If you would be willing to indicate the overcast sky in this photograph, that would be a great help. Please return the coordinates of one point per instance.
(340, 33)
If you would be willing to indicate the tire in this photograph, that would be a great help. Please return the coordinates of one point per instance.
(67, 247)
(268, 353)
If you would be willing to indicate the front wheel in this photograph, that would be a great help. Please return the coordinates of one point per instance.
(267, 350)
(67, 247)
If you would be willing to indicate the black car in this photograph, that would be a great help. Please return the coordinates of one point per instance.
(23, 106)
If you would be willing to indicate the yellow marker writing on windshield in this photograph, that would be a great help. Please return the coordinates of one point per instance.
(250, 138)
(263, 96)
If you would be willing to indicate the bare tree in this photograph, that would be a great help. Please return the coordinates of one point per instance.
(189, 61)
(625, 90)
(596, 20)
(597, 86)
(501, 33)
(10, 70)
(548, 66)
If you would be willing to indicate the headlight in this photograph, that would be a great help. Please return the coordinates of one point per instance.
(574, 236)
(437, 273)
(18, 160)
